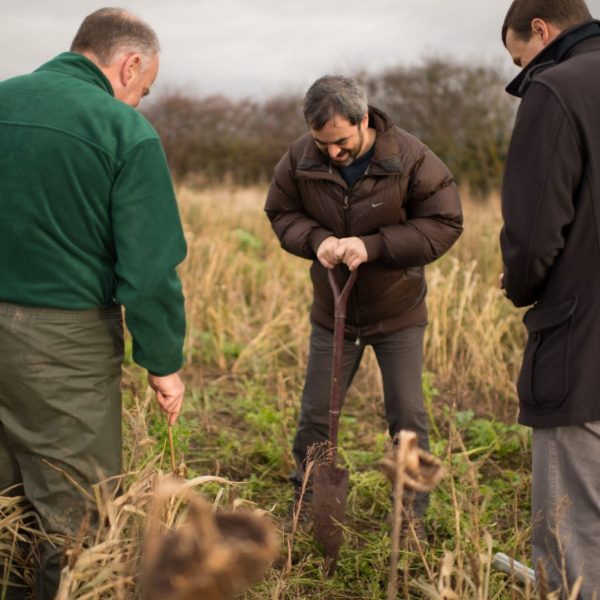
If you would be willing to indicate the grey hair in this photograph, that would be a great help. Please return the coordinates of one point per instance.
(109, 32)
(334, 95)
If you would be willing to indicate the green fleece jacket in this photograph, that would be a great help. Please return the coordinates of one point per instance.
(88, 216)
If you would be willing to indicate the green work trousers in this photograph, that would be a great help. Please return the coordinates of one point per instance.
(60, 418)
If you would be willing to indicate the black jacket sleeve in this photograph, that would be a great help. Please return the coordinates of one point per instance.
(542, 173)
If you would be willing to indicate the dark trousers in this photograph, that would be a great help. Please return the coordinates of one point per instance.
(60, 418)
(400, 359)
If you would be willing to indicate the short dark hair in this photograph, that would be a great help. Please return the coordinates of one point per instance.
(109, 31)
(563, 14)
(334, 95)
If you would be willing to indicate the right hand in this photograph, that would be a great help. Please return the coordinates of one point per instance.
(352, 251)
(326, 252)
(169, 393)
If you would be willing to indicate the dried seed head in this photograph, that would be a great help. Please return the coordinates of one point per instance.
(211, 555)
(420, 470)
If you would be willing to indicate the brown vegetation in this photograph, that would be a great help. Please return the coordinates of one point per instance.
(248, 301)
(460, 111)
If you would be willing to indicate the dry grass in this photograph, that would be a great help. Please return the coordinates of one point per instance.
(18, 525)
(475, 337)
(248, 301)
(176, 523)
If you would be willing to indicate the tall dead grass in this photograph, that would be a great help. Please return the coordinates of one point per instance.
(474, 340)
(248, 301)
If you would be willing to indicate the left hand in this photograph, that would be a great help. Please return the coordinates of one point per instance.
(352, 251)
(169, 391)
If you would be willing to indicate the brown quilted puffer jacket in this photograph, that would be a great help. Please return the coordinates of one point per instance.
(405, 208)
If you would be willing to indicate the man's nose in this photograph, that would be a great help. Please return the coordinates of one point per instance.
(334, 150)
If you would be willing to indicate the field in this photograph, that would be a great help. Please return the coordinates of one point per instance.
(247, 306)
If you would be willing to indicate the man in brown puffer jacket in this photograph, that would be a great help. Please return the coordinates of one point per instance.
(357, 190)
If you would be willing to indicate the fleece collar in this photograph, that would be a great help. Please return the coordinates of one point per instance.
(77, 65)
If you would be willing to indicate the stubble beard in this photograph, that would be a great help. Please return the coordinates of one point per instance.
(354, 153)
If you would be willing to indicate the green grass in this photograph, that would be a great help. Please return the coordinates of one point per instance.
(243, 430)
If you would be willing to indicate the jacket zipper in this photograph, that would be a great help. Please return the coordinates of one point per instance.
(346, 205)
(354, 292)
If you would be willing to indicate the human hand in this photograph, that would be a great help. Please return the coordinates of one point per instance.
(352, 251)
(169, 391)
(326, 252)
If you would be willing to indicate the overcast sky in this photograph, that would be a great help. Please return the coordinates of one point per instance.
(260, 47)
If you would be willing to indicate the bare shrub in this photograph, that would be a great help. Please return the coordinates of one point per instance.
(460, 111)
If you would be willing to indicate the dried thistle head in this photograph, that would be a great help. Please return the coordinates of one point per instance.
(421, 471)
(210, 555)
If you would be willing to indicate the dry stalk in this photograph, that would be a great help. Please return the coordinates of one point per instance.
(542, 581)
(243, 302)
(574, 595)
(282, 581)
(445, 584)
(473, 342)
(172, 447)
(306, 481)
(408, 467)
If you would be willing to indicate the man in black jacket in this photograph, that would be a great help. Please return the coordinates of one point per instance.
(551, 253)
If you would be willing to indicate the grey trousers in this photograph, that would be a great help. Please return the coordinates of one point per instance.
(566, 506)
(400, 358)
(60, 417)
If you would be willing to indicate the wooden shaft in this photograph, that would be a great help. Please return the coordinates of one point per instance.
(335, 402)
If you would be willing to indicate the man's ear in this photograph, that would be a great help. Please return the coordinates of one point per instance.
(130, 67)
(543, 30)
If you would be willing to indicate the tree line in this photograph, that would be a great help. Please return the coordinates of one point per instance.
(460, 111)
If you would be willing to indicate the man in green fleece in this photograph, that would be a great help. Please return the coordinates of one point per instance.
(88, 224)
